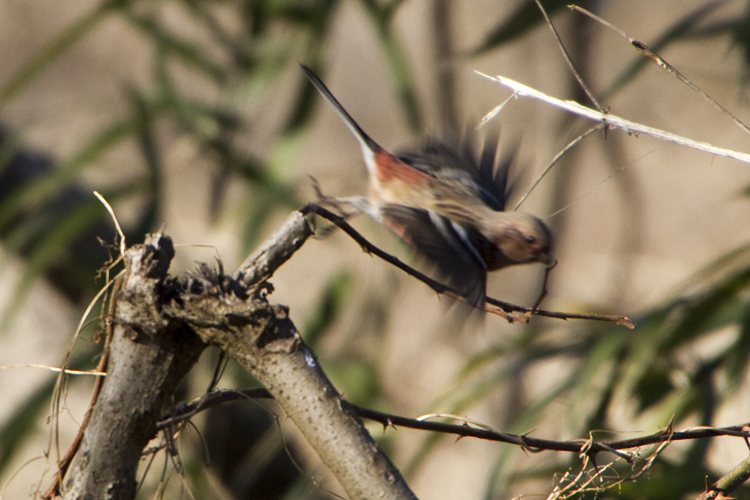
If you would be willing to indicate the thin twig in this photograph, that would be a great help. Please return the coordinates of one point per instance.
(57, 369)
(114, 220)
(64, 463)
(568, 60)
(728, 483)
(101, 367)
(544, 291)
(57, 395)
(469, 428)
(504, 307)
(613, 121)
(555, 160)
(489, 116)
(601, 182)
(659, 61)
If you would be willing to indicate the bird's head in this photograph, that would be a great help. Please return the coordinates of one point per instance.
(521, 239)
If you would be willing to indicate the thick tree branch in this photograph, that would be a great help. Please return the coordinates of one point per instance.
(155, 344)
(277, 249)
(262, 338)
(148, 358)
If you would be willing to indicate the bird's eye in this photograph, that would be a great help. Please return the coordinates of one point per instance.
(529, 239)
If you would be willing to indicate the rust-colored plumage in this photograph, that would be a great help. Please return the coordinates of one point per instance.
(448, 205)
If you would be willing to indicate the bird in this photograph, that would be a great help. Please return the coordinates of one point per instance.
(448, 205)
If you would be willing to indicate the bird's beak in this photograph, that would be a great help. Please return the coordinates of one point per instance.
(549, 260)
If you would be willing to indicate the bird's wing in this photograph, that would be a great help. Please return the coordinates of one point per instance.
(450, 247)
(455, 160)
(493, 171)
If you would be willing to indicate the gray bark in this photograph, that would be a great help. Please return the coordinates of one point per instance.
(148, 358)
(265, 342)
(162, 326)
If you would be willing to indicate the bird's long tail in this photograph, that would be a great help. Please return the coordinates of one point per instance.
(369, 146)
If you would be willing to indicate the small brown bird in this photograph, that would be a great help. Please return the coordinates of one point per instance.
(448, 206)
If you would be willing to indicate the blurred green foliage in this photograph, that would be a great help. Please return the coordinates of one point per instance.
(47, 217)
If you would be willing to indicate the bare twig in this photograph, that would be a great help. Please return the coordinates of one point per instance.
(95, 373)
(489, 116)
(64, 462)
(470, 428)
(101, 367)
(122, 245)
(544, 291)
(613, 121)
(502, 307)
(555, 160)
(568, 60)
(209, 400)
(728, 483)
(659, 61)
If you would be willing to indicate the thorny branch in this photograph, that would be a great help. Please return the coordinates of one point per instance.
(263, 263)
(589, 478)
(493, 304)
(728, 483)
(233, 313)
(646, 51)
(587, 446)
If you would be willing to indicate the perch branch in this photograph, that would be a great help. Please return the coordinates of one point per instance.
(444, 289)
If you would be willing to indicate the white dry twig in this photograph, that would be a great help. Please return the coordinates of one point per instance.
(659, 61)
(56, 369)
(114, 220)
(613, 121)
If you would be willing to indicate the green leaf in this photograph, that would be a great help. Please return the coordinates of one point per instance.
(523, 19)
(58, 46)
(34, 194)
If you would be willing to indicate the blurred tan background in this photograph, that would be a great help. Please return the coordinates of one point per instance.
(639, 216)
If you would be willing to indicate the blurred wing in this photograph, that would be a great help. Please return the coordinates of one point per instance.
(451, 248)
(494, 172)
(456, 159)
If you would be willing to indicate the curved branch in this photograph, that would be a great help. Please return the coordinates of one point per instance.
(263, 339)
(440, 288)
(524, 440)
